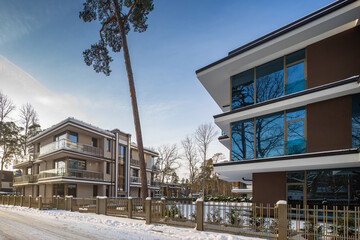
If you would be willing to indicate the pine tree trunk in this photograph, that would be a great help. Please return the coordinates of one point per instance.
(144, 187)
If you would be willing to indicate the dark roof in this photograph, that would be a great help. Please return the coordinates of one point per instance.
(285, 29)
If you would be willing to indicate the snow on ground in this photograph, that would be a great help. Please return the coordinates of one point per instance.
(28, 223)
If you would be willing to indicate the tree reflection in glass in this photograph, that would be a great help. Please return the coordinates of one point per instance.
(242, 89)
(355, 121)
(242, 140)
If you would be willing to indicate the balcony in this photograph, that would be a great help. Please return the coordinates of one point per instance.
(73, 173)
(68, 145)
(137, 180)
(26, 179)
(27, 159)
(136, 163)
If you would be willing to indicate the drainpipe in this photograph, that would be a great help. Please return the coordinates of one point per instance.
(116, 163)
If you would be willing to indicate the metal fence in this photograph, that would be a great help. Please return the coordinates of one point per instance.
(86, 205)
(138, 208)
(117, 207)
(323, 223)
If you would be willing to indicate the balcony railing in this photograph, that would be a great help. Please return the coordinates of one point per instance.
(26, 179)
(28, 158)
(136, 163)
(66, 144)
(137, 180)
(75, 173)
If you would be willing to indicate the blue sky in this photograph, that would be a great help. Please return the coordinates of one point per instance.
(45, 39)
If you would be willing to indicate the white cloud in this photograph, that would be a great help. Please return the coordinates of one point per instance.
(22, 88)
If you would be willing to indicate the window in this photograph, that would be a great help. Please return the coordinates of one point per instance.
(94, 142)
(107, 145)
(107, 168)
(355, 121)
(73, 137)
(270, 135)
(122, 154)
(28, 171)
(77, 164)
(270, 80)
(242, 89)
(242, 140)
(60, 167)
(276, 134)
(282, 76)
(38, 148)
(95, 190)
(295, 131)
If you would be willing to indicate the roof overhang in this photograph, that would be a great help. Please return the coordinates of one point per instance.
(216, 77)
(337, 89)
(242, 171)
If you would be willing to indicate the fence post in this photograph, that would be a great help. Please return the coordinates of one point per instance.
(162, 207)
(200, 214)
(129, 207)
(57, 201)
(1, 197)
(101, 204)
(68, 203)
(21, 201)
(148, 210)
(8, 200)
(30, 197)
(40, 202)
(282, 215)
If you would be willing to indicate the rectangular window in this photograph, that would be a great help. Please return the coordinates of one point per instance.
(107, 168)
(77, 164)
(28, 171)
(122, 154)
(276, 134)
(242, 140)
(242, 89)
(94, 142)
(282, 76)
(73, 137)
(355, 121)
(270, 80)
(270, 135)
(295, 72)
(295, 131)
(108, 145)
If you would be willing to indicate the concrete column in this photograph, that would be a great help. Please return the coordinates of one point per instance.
(282, 215)
(199, 214)
(68, 203)
(101, 205)
(148, 210)
(40, 202)
(129, 207)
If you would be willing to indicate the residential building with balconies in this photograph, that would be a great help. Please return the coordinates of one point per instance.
(290, 104)
(78, 159)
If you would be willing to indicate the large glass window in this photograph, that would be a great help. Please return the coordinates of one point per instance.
(77, 164)
(295, 131)
(270, 135)
(107, 145)
(270, 80)
(285, 75)
(242, 140)
(355, 121)
(242, 89)
(73, 137)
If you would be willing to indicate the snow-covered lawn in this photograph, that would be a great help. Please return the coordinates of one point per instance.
(27, 223)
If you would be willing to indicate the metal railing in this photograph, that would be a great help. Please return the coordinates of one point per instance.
(136, 163)
(28, 158)
(69, 145)
(84, 205)
(137, 180)
(75, 173)
(117, 207)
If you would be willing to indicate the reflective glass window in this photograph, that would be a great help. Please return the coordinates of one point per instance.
(242, 140)
(295, 80)
(355, 121)
(295, 131)
(73, 137)
(295, 177)
(242, 89)
(295, 56)
(270, 135)
(270, 80)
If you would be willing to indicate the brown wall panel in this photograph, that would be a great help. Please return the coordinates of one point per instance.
(329, 125)
(269, 187)
(334, 58)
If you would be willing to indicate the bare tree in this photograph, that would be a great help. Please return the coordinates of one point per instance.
(8, 133)
(6, 106)
(192, 159)
(204, 135)
(216, 158)
(29, 123)
(167, 161)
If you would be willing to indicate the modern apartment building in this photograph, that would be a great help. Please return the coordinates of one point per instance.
(290, 104)
(79, 159)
